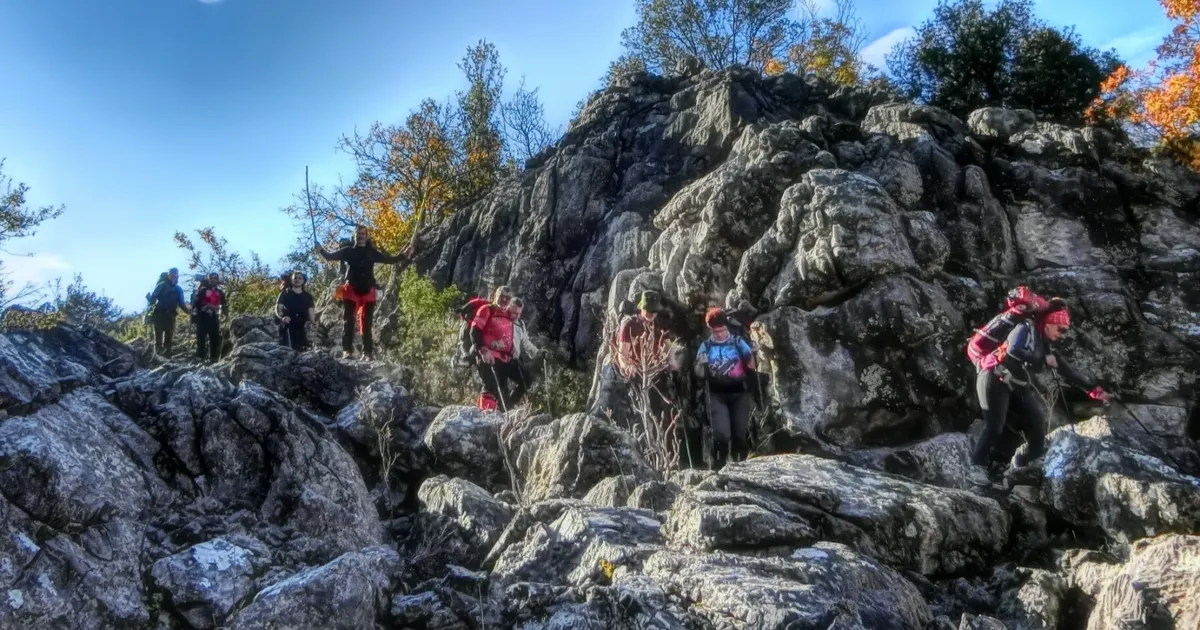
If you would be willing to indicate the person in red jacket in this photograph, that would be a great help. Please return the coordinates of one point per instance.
(492, 336)
(207, 307)
(1006, 376)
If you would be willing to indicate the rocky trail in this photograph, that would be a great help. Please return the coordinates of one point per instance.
(297, 491)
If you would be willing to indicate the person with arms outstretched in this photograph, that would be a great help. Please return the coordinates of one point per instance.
(358, 292)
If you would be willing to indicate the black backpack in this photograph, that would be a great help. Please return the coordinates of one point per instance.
(462, 354)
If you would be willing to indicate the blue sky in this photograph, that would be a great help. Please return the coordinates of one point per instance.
(147, 117)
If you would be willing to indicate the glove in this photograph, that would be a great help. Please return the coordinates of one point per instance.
(1099, 394)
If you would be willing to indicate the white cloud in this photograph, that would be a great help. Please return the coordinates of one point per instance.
(875, 53)
(1137, 48)
(35, 269)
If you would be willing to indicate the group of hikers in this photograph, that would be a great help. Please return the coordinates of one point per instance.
(207, 304)
(1008, 352)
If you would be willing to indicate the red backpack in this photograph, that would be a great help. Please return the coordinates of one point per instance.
(1019, 305)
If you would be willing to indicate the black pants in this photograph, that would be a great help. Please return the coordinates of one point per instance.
(208, 330)
(164, 330)
(502, 380)
(293, 335)
(350, 326)
(729, 418)
(995, 398)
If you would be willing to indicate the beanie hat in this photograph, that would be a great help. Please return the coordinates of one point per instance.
(1058, 318)
(650, 302)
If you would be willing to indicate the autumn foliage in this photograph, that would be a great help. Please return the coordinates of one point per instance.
(1160, 104)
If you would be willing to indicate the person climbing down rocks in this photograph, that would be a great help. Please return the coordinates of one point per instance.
(640, 342)
(724, 361)
(1006, 378)
(296, 309)
(207, 306)
(166, 299)
(358, 292)
(523, 351)
(492, 336)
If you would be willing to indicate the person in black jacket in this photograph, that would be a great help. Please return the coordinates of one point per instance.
(358, 291)
(1007, 376)
(295, 308)
(207, 306)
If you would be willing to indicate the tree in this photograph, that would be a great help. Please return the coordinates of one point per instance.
(525, 130)
(966, 57)
(407, 175)
(479, 108)
(18, 220)
(828, 47)
(1160, 105)
(77, 304)
(250, 285)
(719, 33)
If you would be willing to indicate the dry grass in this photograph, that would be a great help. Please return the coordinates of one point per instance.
(658, 418)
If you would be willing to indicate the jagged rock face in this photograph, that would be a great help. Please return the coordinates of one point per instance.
(279, 490)
(210, 491)
(728, 187)
(1121, 491)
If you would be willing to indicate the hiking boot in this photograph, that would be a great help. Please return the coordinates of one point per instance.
(348, 355)
(978, 476)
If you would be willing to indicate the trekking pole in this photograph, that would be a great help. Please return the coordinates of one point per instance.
(312, 213)
(1153, 435)
(499, 390)
(1063, 397)
(707, 431)
(546, 386)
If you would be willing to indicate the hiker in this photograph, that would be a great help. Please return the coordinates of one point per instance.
(207, 305)
(523, 350)
(166, 297)
(295, 308)
(358, 292)
(640, 343)
(1006, 377)
(492, 336)
(723, 361)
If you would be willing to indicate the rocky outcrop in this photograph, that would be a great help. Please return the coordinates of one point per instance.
(864, 236)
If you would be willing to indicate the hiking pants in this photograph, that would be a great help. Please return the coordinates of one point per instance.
(350, 326)
(995, 398)
(208, 329)
(729, 417)
(293, 335)
(499, 378)
(164, 331)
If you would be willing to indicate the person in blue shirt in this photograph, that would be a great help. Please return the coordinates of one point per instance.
(166, 298)
(723, 360)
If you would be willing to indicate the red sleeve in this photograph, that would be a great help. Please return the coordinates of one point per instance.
(623, 335)
(482, 315)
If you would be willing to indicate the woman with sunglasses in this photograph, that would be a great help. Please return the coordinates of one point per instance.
(1006, 378)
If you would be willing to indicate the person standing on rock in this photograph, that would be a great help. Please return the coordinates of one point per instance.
(207, 305)
(724, 362)
(492, 337)
(523, 351)
(358, 292)
(1007, 376)
(166, 299)
(295, 308)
